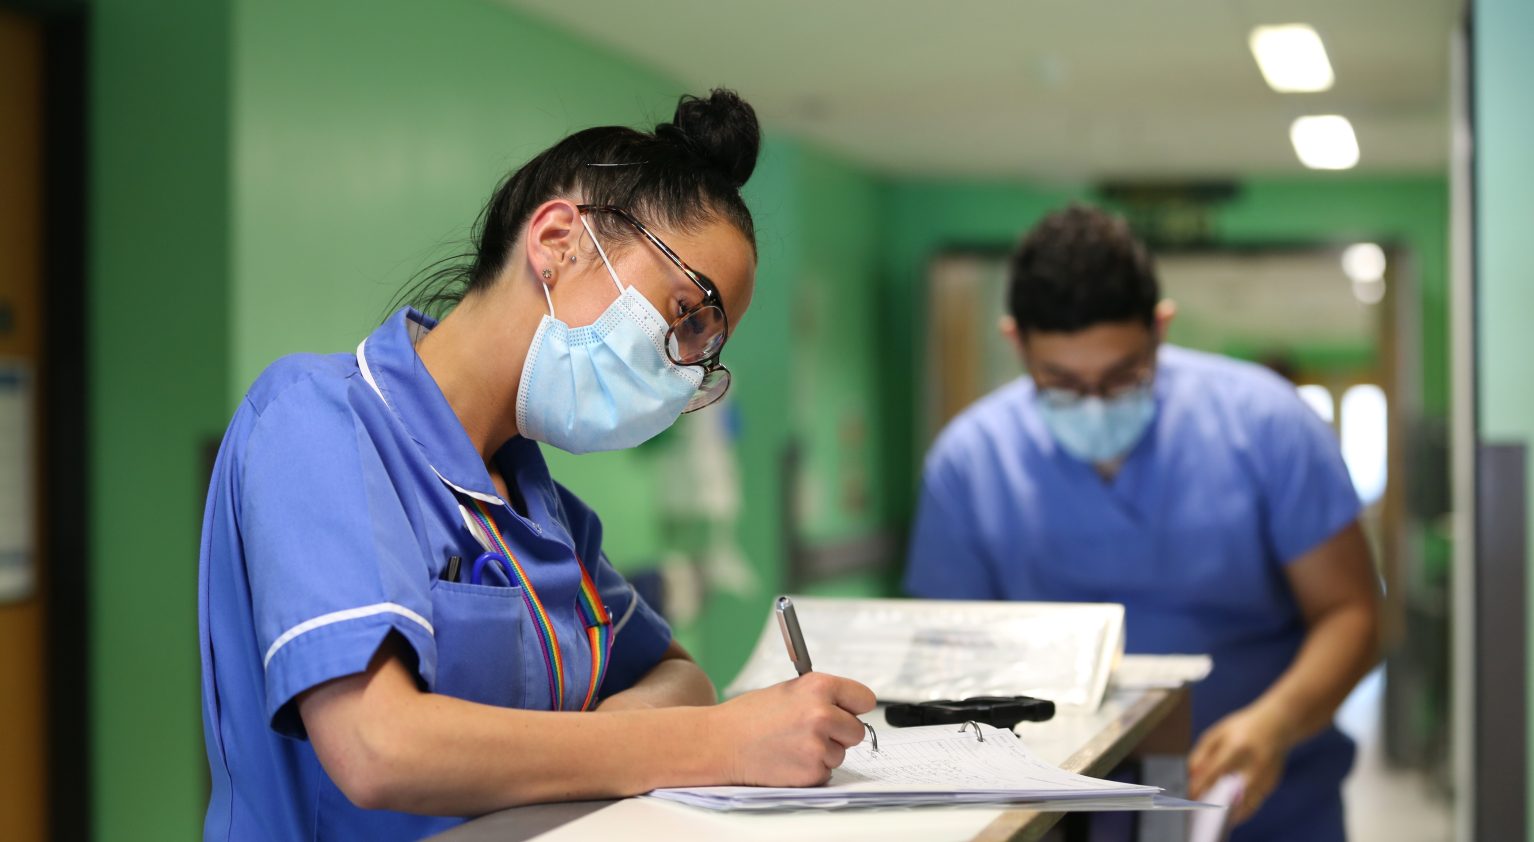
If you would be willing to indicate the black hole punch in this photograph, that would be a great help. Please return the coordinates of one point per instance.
(996, 711)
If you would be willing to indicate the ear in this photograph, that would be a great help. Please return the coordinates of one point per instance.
(1008, 327)
(552, 233)
(1166, 310)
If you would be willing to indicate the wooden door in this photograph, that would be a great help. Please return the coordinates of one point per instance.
(23, 759)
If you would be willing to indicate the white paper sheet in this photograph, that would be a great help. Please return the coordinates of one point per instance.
(935, 764)
(1214, 826)
(1160, 672)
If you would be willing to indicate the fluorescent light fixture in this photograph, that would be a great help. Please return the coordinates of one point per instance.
(1364, 262)
(1325, 142)
(1292, 58)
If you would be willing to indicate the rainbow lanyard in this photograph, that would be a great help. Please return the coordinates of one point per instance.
(599, 627)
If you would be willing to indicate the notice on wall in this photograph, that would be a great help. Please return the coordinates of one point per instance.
(18, 455)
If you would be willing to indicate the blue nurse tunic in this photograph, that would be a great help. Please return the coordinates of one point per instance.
(343, 486)
(1234, 479)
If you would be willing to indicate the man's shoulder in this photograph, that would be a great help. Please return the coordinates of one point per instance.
(1249, 403)
(1226, 379)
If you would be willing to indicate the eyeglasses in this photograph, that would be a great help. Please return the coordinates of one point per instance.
(697, 336)
(1116, 386)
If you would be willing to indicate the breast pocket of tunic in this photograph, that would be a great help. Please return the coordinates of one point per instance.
(482, 633)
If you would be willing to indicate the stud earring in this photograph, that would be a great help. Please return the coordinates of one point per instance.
(547, 274)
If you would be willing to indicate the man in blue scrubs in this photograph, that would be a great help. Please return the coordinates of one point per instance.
(1196, 490)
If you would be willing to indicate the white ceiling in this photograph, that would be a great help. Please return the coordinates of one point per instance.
(1046, 89)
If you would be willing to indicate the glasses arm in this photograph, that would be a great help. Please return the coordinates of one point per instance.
(709, 291)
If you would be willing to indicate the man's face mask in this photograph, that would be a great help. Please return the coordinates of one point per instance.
(1102, 422)
(1098, 429)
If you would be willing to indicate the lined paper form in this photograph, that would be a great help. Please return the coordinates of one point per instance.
(934, 764)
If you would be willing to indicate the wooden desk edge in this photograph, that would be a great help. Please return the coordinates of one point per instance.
(1097, 758)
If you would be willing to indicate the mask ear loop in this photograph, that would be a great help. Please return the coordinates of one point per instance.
(603, 252)
(549, 298)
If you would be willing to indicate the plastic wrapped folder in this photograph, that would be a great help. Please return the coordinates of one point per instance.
(909, 650)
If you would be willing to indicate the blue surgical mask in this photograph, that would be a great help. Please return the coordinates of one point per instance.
(603, 386)
(1099, 430)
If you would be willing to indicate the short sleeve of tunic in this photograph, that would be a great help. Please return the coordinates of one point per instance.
(333, 564)
(1308, 494)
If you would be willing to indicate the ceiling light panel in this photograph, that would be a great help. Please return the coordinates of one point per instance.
(1292, 58)
(1325, 142)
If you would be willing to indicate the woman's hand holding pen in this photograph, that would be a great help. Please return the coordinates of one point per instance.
(790, 734)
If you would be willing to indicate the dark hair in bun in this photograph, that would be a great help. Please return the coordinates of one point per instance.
(721, 130)
(683, 175)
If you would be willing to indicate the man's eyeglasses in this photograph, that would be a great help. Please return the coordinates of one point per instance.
(1114, 386)
(697, 336)
(1063, 398)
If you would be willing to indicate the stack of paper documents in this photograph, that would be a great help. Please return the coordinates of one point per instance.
(934, 764)
(1168, 672)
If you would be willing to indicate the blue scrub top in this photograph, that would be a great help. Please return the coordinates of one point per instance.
(337, 498)
(1234, 479)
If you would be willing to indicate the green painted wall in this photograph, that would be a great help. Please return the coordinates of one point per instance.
(760, 391)
(1504, 252)
(804, 362)
(836, 345)
(928, 217)
(158, 316)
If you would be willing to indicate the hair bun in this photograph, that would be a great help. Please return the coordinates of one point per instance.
(721, 129)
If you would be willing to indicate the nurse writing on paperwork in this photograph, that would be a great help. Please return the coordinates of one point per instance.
(404, 620)
(1196, 490)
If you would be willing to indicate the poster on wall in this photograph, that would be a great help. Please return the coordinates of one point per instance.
(17, 448)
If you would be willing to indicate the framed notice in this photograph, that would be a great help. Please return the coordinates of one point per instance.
(18, 448)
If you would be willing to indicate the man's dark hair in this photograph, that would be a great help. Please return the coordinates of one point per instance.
(1080, 267)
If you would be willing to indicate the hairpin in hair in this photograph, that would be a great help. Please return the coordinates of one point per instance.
(621, 164)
